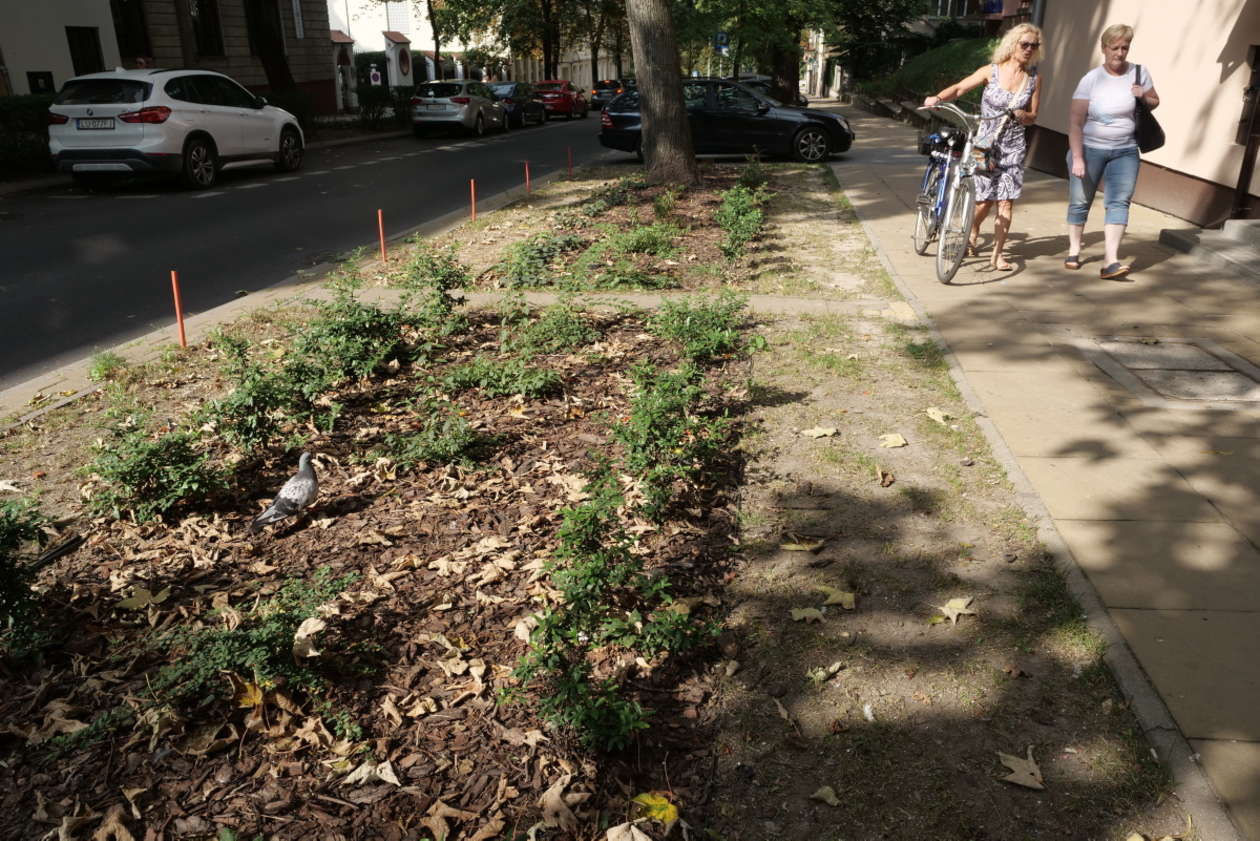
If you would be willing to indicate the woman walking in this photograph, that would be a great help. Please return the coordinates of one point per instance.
(1011, 97)
(1102, 148)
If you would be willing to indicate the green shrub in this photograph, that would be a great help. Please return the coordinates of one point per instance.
(705, 328)
(529, 263)
(400, 100)
(348, 339)
(663, 205)
(741, 217)
(933, 70)
(252, 415)
(559, 328)
(754, 175)
(430, 277)
(24, 134)
(106, 365)
(20, 523)
(611, 195)
(443, 437)
(373, 100)
(501, 378)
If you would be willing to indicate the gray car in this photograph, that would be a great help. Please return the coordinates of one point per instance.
(456, 104)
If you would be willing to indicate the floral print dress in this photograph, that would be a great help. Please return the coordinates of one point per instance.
(1011, 146)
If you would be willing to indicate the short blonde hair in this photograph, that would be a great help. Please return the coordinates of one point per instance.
(1116, 32)
(1006, 47)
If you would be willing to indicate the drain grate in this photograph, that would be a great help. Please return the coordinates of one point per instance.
(1177, 372)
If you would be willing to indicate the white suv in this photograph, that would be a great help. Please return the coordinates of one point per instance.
(188, 123)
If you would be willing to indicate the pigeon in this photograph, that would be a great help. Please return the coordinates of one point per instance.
(297, 493)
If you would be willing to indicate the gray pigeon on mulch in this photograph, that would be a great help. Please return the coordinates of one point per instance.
(297, 493)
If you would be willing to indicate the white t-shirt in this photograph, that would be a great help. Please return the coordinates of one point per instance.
(1109, 123)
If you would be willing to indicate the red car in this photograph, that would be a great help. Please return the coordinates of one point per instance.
(560, 96)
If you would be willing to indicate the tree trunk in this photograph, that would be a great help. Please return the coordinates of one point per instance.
(616, 51)
(667, 146)
(594, 62)
(437, 42)
(263, 18)
(785, 67)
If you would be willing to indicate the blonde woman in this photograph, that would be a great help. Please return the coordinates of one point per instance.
(1102, 148)
(1012, 87)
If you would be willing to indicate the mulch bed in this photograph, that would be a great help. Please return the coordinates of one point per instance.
(448, 562)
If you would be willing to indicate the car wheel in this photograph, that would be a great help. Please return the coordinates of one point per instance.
(479, 128)
(289, 159)
(507, 123)
(201, 164)
(811, 145)
(568, 115)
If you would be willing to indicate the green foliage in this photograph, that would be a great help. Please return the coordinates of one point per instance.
(20, 523)
(251, 416)
(106, 365)
(431, 276)
(663, 205)
(705, 328)
(260, 648)
(664, 439)
(559, 328)
(611, 195)
(608, 264)
(935, 69)
(529, 263)
(442, 437)
(147, 472)
(24, 134)
(501, 378)
(400, 101)
(740, 215)
(754, 175)
(348, 339)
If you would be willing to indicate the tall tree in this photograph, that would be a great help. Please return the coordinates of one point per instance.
(666, 135)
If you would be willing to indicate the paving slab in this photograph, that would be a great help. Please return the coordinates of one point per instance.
(1111, 488)
(1173, 356)
(1234, 769)
(1206, 664)
(1178, 566)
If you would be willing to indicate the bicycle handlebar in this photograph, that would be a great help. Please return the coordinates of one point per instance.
(954, 110)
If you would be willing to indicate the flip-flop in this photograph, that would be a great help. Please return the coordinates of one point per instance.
(1072, 262)
(1114, 271)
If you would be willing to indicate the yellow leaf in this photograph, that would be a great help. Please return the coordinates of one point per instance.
(957, 607)
(795, 544)
(843, 598)
(819, 432)
(658, 807)
(892, 440)
(245, 694)
(827, 795)
(807, 614)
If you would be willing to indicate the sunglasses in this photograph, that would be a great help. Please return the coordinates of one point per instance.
(1029, 45)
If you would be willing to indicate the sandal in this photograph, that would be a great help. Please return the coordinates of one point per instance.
(1115, 270)
(1072, 262)
(1003, 266)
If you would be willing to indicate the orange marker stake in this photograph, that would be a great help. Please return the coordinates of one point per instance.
(380, 227)
(179, 308)
(472, 197)
(527, 178)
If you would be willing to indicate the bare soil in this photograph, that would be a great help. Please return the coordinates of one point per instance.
(901, 712)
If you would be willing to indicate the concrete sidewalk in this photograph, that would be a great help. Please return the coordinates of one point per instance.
(1132, 410)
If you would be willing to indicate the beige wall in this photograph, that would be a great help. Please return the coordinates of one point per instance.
(1196, 51)
(33, 37)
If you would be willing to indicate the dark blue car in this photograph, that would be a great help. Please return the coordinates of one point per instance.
(521, 102)
(730, 118)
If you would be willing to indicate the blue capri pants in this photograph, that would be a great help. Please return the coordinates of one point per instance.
(1116, 170)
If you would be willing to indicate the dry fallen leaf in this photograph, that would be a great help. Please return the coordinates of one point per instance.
(371, 772)
(827, 795)
(954, 608)
(142, 598)
(939, 415)
(112, 827)
(8, 485)
(435, 819)
(892, 440)
(303, 645)
(843, 598)
(799, 544)
(1024, 772)
(884, 478)
(555, 811)
(245, 694)
(819, 432)
(626, 832)
(806, 614)
(657, 807)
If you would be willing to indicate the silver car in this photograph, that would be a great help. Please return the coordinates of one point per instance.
(456, 104)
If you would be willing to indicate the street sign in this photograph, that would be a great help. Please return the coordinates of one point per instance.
(720, 40)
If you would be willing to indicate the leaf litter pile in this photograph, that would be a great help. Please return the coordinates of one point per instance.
(565, 577)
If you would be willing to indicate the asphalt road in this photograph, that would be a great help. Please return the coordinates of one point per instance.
(81, 271)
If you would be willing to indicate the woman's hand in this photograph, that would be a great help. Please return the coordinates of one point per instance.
(1024, 118)
(1138, 90)
(1078, 167)
(929, 101)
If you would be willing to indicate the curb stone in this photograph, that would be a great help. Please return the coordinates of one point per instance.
(1169, 745)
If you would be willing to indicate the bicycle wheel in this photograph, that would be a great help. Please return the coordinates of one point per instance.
(955, 228)
(924, 218)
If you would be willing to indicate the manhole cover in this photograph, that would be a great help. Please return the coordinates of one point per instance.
(1177, 373)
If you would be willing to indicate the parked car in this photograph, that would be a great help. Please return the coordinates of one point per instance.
(560, 96)
(765, 85)
(729, 118)
(461, 104)
(606, 90)
(522, 103)
(188, 123)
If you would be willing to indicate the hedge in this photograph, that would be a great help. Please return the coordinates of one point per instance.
(24, 133)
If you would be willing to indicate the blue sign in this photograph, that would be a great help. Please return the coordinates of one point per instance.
(721, 39)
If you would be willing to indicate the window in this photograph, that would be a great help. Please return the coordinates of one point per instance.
(731, 98)
(133, 35)
(206, 28)
(231, 94)
(103, 92)
(85, 49)
(694, 94)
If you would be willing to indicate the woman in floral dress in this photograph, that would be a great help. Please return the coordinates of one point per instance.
(1012, 86)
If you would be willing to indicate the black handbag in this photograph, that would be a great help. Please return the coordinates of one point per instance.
(1147, 131)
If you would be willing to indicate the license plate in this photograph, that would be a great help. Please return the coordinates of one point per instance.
(84, 123)
(435, 107)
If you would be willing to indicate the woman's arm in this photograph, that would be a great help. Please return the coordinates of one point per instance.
(1076, 135)
(1028, 116)
(957, 89)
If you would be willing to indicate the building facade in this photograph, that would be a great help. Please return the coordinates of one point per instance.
(43, 44)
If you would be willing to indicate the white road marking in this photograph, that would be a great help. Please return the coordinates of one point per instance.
(289, 178)
(443, 149)
(69, 197)
(249, 186)
(208, 195)
(347, 166)
(148, 196)
(319, 172)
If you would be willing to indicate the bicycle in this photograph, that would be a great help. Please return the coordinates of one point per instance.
(946, 203)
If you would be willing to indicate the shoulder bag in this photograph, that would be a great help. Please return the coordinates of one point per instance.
(1146, 129)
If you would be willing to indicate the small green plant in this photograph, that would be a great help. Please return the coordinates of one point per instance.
(559, 328)
(251, 415)
(260, 648)
(529, 263)
(501, 378)
(705, 328)
(663, 205)
(106, 366)
(347, 340)
(740, 215)
(430, 277)
(20, 524)
(442, 437)
(147, 472)
(754, 175)
(611, 195)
